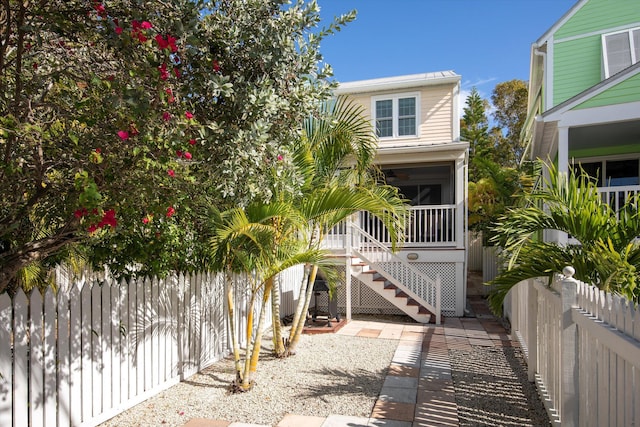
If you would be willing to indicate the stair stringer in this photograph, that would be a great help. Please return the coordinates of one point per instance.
(401, 302)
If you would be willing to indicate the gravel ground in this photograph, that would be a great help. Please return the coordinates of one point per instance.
(492, 388)
(330, 374)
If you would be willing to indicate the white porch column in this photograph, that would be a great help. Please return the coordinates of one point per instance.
(460, 221)
(347, 269)
(563, 170)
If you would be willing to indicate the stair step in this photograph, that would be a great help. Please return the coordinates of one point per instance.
(423, 310)
(389, 285)
(401, 294)
(369, 272)
(411, 301)
(380, 279)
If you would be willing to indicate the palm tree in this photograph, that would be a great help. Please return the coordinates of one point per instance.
(607, 253)
(247, 241)
(335, 157)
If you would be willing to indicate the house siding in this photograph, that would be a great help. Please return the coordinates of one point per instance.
(599, 15)
(577, 46)
(436, 114)
(623, 92)
(577, 67)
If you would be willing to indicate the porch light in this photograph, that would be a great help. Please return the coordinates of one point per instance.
(412, 256)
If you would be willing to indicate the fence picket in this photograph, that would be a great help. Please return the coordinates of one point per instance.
(6, 386)
(106, 348)
(78, 354)
(96, 348)
(50, 329)
(20, 354)
(63, 381)
(75, 354)
(116, 347)
(36, 361)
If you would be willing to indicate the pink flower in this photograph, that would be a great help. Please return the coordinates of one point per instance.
(176, 72)
(188, 115)
(187, 155)
(171, 99)
(280, 157)
(166, 116)
(98, 150)
(135, 24)
(216, 66)
(146, 25)
(170, 42)
(92, 228)
(164, 74)
(145, 220)
(109, 218)
(192, 142)
(123, 134)
(171, 173)
(170, 211)
(118, 30)
(178, 153)
(99, 7)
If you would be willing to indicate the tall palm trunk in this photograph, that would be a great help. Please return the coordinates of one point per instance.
(307, 299)
(278, 342)
(232, 325)
(246, 384)
(255, 354)
(303, 304)
(301, 301)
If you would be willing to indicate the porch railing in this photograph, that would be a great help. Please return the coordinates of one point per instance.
(425, 290)
(425, 226)
(616, 197)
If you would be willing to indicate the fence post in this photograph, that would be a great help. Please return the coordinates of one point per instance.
(347, 271)
(569, 414)
(532, 329)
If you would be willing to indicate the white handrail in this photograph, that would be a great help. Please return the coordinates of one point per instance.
(402, 274)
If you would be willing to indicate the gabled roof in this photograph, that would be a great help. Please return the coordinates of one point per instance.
(399, 82)
(553, 113)
(560, 22)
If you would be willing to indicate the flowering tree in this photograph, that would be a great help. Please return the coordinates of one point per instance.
(122, 121)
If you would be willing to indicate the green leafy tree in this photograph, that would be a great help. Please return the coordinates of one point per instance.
(510, 102)
(474, 128)
(607, 254)
(119, 126)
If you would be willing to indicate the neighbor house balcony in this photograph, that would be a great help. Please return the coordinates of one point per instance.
(431, 226)
(617, 196)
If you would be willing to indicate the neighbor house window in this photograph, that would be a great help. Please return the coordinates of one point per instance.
(611, 173)
(620, 50)
(396, 115)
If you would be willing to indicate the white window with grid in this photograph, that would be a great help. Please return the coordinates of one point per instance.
(396, 116)
(620, 50)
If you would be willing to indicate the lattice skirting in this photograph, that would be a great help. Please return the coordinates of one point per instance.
(366, 301)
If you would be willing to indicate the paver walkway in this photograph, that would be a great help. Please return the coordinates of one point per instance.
(418, 389)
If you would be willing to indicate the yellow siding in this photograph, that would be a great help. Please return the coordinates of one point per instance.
(436, 114)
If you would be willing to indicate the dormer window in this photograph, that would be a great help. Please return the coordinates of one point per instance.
(620, 50)
(396, 116)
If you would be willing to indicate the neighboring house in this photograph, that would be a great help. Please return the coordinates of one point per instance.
(416, 118)
(584, 96)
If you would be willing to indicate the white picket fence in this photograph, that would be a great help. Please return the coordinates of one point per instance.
(95, 348)
(583, 351)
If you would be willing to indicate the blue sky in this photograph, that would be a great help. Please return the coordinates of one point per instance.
(485, 41)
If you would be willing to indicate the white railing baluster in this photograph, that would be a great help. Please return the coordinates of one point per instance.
(399, 271)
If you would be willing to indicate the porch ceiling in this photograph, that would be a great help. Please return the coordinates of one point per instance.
(609, 134)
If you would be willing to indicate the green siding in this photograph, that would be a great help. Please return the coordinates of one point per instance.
(626, 91)
(598, 15)
(577, 66)
(605, 150)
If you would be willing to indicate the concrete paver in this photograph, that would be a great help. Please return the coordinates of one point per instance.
(418, 389)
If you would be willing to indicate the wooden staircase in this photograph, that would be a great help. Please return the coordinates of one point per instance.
(397, 294)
